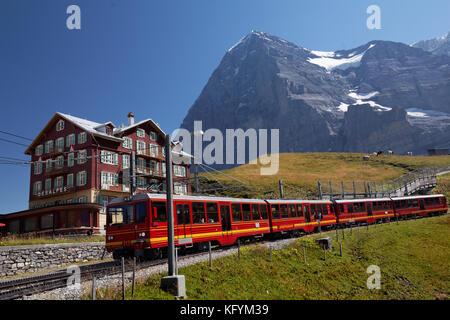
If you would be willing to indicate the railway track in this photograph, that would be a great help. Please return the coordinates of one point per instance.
(18, 288)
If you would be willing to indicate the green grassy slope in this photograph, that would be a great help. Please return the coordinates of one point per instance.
(303, 170)
(413, 256)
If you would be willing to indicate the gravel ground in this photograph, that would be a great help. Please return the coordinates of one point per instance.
(115, 281)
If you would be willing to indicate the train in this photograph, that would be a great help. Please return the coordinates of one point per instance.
(137, 225)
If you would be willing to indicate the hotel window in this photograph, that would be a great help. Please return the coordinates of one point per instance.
(163, 168)
(82, 199)
(179, 188)
(59, 182)
(49, 146)
(38, 167)
(109, 157)
(141, 183)
(59, 162)
(127, 143)
(153, 136)
(39, 150)
(82, 137)
(48, 164)
(70, 160)
(109, 179)
(140, 147)
(179, 171)
(60, 125)
(37, 187)
(153, 150)
(81, 178)
(48, 184)
(140, 164)
(70, 180)
(125, 161)
(60, 144)
(70, 140)
(82, 156)
(140, 133)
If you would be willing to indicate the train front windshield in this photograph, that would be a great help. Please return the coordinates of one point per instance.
(119, 215)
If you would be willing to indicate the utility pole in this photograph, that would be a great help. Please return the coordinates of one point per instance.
(280, 183)
(173, 282)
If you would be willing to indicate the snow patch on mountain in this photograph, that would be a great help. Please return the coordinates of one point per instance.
(331, 60)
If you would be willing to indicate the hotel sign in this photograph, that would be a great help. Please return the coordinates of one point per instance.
(52, 192)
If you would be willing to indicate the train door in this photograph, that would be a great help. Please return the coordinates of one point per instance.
(307, 213)
(421, 204)
(183, 228)
(369, 209)
(225, 218)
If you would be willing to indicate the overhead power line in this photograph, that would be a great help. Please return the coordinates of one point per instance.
(10, 141)
(16, 135)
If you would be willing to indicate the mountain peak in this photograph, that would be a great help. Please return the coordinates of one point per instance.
(439, 45)
(259, 36)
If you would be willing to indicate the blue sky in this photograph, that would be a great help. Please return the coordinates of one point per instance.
(153, 57)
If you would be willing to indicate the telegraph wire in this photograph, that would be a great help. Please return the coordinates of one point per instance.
(10, 141)
(15, 135)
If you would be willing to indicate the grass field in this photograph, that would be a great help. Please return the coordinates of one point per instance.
(303, 170)
(17, 240)
(413, 257)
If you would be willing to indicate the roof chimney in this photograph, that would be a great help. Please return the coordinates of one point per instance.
(130, 119)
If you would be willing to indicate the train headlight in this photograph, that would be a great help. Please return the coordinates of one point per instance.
(110, 238)
(142, 234)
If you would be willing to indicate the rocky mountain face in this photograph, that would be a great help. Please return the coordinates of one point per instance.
(382, 95)
(439, 45)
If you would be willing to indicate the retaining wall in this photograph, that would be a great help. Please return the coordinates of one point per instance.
(31, 258)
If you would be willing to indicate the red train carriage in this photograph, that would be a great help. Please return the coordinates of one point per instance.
(139, 224)
(295, 216)
(421, 205)
(364, 210)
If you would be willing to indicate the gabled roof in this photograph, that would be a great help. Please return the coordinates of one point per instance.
(120, 131)
(86, 125)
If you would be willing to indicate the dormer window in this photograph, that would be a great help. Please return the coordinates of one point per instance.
(60, 125)
(153, 136)
(140, 133)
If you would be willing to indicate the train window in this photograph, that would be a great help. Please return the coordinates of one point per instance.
(313, 210)
(246, 214)
(341, 208)
(275, 211)
(263, 209)
(324, 209)
(159, 208)
(415, 203)
(356, 207)
(389, 204)
(299, 210)
(332, 209)
(292, 211)
(255, 212)
(284, 211)
(120, 215)
(141, 211)
(212, 212)
(350, 208)
(374, 206)
(198, 212)
(362, 207)
(236, 211)
(410, 203)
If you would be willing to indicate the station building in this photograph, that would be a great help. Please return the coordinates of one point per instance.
(78, 166)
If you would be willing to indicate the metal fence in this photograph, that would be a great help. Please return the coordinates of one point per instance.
(412, 182)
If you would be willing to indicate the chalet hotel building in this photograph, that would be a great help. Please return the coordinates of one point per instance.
(79, 165)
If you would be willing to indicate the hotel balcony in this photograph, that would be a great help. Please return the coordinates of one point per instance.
(147, 153)
(54, 171)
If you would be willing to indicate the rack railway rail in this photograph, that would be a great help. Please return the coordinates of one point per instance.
(18, 288)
